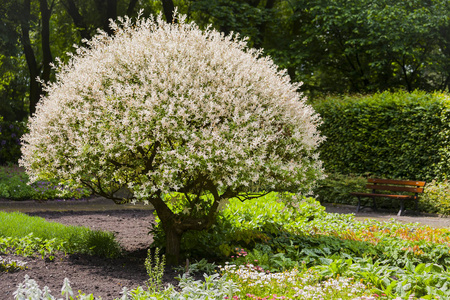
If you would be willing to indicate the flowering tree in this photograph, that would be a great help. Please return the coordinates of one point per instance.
(182, 118)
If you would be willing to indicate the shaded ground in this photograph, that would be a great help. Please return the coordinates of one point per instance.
(105, 277)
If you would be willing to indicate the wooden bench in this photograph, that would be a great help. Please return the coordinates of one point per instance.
(408, 186)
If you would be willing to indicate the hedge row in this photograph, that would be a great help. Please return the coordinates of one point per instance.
(392, 135)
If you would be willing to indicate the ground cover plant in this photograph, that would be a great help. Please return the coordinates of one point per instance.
(25, 235)
(391, 259)
(302, 252)
(14, 185)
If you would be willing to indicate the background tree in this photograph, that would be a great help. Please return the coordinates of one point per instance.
(183, 119)
(364, 46)
(13, 86)
(333, 46)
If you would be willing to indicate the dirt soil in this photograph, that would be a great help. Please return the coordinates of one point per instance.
(106, 277)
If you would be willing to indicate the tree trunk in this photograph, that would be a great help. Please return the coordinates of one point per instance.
(173, 244)
(168, 8)
(46, 51)
(35, 88)
(131, 6)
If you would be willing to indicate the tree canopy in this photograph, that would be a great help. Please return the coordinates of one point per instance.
(161, 108)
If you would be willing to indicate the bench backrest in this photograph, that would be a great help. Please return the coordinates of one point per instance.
(410, 186)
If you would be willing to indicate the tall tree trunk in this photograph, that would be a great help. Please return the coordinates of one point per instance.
(111, 13)
(168, 9)
(46, 51)
(35, 88)
(131, 6)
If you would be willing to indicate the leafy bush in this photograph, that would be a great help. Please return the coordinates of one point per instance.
(245, 224)
(393, 135)
(26, 235)
(10, 134)
(436, 197)
(14, 185)
(336, 188)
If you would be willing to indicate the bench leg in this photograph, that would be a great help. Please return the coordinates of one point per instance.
(359, 204)
(374, 204)
(402, 208)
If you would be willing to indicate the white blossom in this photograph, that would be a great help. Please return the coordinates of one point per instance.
(215, 107)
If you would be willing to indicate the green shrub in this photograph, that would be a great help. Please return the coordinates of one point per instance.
(436, 197)
(14, 185)
(393, 135)
(246, 224)
(336, 188)
(10, 134)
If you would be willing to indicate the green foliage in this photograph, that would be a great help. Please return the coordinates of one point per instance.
(154, 264)
(14, 185)
(25, 235)
(389, 257)
(10, 133)
(199, 266)
(436, 197)
(336, 188)
(392, 135)
(340, 46)
(245, 224)
(30, 245)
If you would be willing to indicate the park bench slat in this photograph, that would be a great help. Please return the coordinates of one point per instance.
(399, 182)
(394, 188)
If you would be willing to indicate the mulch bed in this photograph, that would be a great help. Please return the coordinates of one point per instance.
(103, 277)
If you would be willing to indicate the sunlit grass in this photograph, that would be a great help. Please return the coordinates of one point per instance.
(69, 239)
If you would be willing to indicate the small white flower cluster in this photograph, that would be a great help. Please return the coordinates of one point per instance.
(256, 276)
(301, 283)
(158, 104)
(321, 289)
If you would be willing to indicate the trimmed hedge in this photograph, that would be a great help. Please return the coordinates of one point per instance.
(391, 135)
